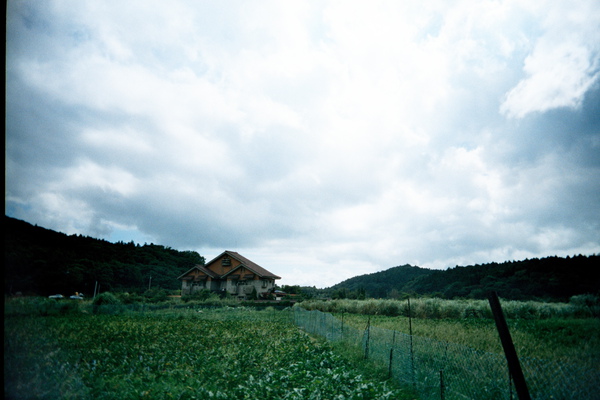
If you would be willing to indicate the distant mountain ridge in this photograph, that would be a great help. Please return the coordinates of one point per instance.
(41, 261)
(551, 278)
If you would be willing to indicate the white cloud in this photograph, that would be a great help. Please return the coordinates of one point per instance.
(564, 60)
(327, 139)
(559, 75)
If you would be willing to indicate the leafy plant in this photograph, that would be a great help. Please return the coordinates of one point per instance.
(227, 353)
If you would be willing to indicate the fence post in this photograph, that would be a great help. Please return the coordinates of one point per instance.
(509, 348)
(392, 353)
(412, 354)
(391, 360)
(442, 387)
(368, 333)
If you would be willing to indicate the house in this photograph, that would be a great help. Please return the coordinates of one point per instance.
(230, 272)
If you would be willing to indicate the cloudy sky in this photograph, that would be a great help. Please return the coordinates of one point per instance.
(321, 139)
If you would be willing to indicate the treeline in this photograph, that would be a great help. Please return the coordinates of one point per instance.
(550, 278)
(42, 262)
(389, 283)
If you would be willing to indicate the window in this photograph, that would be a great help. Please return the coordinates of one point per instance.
(226, 261)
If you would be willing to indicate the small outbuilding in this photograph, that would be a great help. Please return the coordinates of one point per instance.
(230, 272)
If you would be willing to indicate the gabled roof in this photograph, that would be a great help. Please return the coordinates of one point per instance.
(257, 269)
(244, 262)
(200, 268)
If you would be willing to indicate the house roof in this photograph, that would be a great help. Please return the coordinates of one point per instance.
(248, 264)
(257, 269)
(199, 268)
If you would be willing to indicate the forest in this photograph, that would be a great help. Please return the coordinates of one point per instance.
(39, 261)
(549, 279)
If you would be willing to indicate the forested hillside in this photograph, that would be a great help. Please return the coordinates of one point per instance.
(42, 261)
(388, 283)
(550, 278)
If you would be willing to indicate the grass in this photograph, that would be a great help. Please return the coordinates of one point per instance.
(566, 332)
(575, 341)
(559, 356)
(177, 354)
(584, 306)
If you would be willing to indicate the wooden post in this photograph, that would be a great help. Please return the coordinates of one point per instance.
(368, 332)
(391, 361)
(342, 334)
(442, 386)
(392, 353)
(509, 348)
(412, 354)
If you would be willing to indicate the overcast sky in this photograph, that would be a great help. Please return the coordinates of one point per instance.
(322, 139)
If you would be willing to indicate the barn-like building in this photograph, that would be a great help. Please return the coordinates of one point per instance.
(229, 272)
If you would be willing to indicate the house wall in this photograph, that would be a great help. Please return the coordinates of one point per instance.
(245, 290)
(218, 267)
(229, 285)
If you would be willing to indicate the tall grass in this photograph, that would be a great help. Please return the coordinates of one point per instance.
(579, 307)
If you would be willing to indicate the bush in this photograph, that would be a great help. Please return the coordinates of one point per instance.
(586, 304)
(201, 295)
(106, 298)
(130, 298)
(156, 295)
(106, 303)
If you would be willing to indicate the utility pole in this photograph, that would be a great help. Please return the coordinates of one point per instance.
(149, 283)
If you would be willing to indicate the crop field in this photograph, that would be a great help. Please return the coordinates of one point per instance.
(178, 354)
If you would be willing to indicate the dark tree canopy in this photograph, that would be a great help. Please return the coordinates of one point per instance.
(550, 278)
(42, 261)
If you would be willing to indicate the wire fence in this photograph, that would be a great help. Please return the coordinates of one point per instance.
(440, 370)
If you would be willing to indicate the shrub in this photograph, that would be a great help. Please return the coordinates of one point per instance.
(106, 303)
(200, 295)
(156, 295)
(106, 298)
(586, 304)
(130, 298)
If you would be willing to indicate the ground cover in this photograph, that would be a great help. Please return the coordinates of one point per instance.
(177, 354)
(463, 352)
(568, 340)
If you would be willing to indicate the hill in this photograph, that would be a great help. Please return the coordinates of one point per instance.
(550, 278)
(379, 284)
(43, 262)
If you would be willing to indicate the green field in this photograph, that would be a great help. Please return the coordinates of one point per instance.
(176, 350)
(562, 332)
(221, 353)
(575, 341)
(463, 358)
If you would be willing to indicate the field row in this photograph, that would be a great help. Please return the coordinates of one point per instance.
(181, 354)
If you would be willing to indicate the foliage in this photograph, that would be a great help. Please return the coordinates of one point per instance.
(219, 354)
(436, 308)
(106, 298)
(45, 262)
(568, 340)
(551, 278)
(473, 365)
(378, 284)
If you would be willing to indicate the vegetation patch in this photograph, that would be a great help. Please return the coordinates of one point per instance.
(227, 353)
